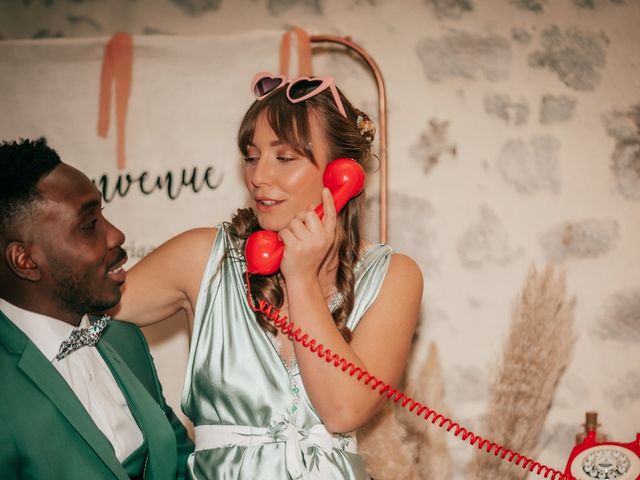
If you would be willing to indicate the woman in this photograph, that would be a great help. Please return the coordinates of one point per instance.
(264, 406)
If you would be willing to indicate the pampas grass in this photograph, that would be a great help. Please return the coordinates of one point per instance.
(399, 445)
(535, 354)
(387, 452)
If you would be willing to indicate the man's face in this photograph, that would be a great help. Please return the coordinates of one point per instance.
(77, 250)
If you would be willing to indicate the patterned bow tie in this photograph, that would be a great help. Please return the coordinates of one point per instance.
(82, 337)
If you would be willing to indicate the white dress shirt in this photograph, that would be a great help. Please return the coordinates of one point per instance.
(86, 373)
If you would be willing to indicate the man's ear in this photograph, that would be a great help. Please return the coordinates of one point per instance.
(21, 263)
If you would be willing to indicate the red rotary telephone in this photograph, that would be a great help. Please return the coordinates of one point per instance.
(263, 249)
(603, 460)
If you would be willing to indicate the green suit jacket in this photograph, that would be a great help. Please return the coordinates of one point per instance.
(46, 433)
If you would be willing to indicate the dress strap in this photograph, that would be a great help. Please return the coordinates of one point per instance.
(370, 273)
(305, 449)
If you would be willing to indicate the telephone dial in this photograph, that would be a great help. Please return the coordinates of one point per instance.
(344, 177)
(595, 459)
(590, 458)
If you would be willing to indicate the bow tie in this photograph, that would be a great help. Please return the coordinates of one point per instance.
(81, 337)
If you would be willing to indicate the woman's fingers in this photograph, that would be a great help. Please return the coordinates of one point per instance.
(330, 213)
(307, 238)
(298, 227)
(287, 236)
(307, 227)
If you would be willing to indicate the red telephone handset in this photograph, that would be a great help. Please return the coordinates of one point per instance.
(604, 460)
(263, 249)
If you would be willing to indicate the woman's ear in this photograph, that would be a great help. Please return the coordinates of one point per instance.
(20, 262)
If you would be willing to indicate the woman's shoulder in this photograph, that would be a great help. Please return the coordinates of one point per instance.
(401, 266)
(403, 282)
(404, 267)
(185, 251)
(193, 240)
(391, 283)
(198, 234)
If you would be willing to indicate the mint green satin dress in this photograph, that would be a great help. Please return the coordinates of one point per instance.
(251, 414)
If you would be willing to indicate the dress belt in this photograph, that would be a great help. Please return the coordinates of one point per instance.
(302, 446)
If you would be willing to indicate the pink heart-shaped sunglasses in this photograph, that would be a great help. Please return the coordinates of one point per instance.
(298, 89)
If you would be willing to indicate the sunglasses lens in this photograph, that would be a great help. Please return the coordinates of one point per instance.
(303, 87)
(266, 85)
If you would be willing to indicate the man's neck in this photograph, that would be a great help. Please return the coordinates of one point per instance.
(48, 309)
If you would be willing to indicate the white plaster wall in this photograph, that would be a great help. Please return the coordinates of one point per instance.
(514, 138)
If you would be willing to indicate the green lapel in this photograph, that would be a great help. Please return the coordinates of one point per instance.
(44, 375)
(160, 437)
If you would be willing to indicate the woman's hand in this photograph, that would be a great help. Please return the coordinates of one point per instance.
(307, 240)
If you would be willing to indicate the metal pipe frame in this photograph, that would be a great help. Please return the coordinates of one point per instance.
(382, 118)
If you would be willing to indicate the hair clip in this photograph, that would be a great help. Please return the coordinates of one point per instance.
(366, 127)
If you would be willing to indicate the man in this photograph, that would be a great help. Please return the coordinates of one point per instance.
(68, 409)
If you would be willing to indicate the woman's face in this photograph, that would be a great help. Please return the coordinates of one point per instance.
(281, 182)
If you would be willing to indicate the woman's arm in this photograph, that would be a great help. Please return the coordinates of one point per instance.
(166, 280)
(379, 345)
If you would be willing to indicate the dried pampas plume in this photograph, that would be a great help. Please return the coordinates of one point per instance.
(433, 458)
(387, 452)
(398, 444)
(535, 354)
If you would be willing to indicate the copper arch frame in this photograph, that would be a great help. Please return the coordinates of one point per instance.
(382, 119)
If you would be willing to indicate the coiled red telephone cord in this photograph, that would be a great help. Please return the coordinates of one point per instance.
(420, 410)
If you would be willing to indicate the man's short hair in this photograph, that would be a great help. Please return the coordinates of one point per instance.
(22, 164)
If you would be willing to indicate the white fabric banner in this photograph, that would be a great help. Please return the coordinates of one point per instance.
(187, 98)
(182, 165)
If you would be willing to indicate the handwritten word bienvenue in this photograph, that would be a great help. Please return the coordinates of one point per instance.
(171, 183)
